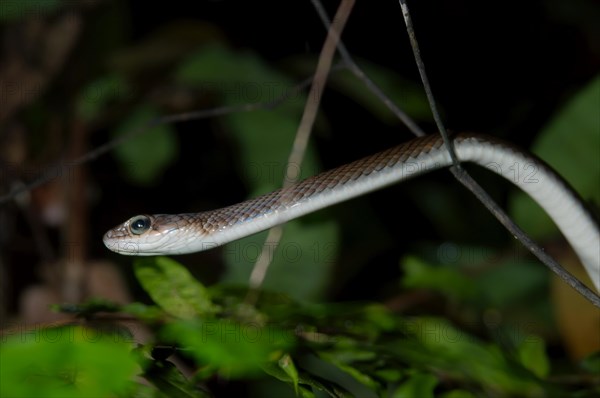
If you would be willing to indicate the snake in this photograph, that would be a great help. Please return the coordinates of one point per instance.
(172, 234)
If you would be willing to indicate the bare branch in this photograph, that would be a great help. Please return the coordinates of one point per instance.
(358, 72)
(303, 133)
(60, 167)
(464, 178)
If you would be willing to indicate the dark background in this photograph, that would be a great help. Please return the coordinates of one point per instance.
(494, 69)
(498, 68)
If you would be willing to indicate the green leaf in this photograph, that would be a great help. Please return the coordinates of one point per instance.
(306, 379)
(20, 9)
(379, 317)
(418, 385)
(338, 361)
(458, 394)
(287, 364)
(591, 363)
(145, 312)
(440, 346)
(234, 349)
(211, 65)
(139, 390)
(301, 262)
(275, 370)
(143, 158)
(532, 354)
(172, 287)
(501, 288)
(446, 280)
(66, 362)
(389, 375)
(170, 381)
(98, 94)
(569, 143)
(238, 77)
(265, 139)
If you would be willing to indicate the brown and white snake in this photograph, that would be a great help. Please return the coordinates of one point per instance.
(162, 234)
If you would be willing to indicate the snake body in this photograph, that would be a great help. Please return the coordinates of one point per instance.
(167, 234)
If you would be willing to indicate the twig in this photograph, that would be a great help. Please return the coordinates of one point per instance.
(317, 88)
(464, 178)
(62, 168)
(421, 66)
(302, 136)
(360, 74)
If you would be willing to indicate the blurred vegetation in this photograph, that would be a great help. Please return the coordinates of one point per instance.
(337, 350)
(475, 318)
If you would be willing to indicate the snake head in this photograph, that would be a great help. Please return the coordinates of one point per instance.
(143, 235)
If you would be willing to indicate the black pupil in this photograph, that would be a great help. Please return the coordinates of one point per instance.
(140, 225)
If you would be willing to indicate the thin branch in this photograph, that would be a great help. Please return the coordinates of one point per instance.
(360, 74)
(62, 168)
(464, 178)
(421, 66)
(317, 88)
(303, 134)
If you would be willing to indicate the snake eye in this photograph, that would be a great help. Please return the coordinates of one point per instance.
(139, 224)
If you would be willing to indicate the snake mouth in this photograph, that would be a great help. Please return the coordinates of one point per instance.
(119, 241)
(122, 247)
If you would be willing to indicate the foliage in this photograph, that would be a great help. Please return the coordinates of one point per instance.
(340, 350)
(144, 158)
(19, 9)
(67, 362)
